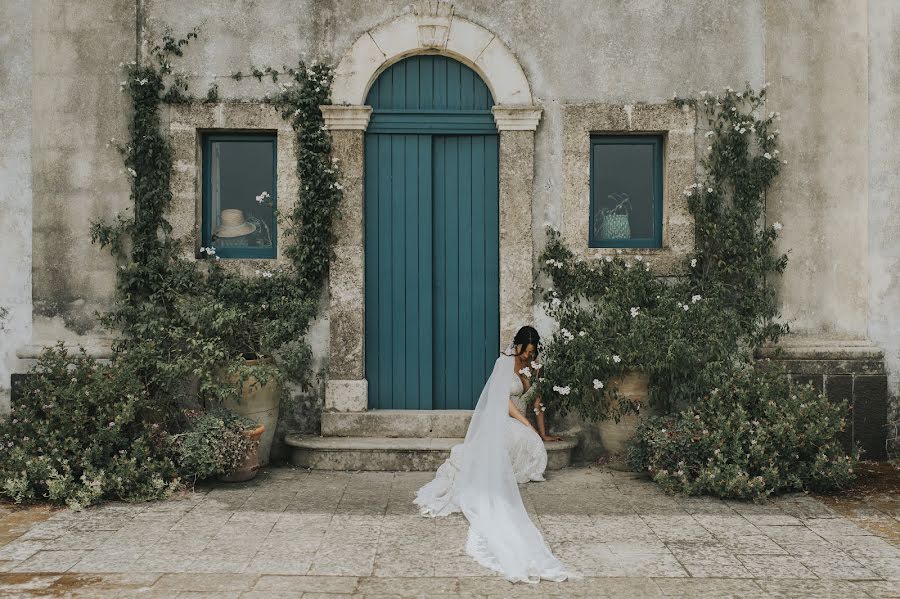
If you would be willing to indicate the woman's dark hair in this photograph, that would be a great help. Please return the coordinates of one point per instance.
(525, 336)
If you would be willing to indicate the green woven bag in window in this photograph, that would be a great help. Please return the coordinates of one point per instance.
(615, 222)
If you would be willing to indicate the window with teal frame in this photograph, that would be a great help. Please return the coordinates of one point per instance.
(239, 194)
(626, 191)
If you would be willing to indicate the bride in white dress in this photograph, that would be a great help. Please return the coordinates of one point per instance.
(480, 477)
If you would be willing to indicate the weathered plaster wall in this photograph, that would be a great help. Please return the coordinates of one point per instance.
(884, 194)
(816, 60)
(77, 107)
(15, 186)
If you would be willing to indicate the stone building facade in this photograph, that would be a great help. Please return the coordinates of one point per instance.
(557, 72)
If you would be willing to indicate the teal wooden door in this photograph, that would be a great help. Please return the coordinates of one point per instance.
(431, 236)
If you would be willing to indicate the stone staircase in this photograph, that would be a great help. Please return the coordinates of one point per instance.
(404, 440)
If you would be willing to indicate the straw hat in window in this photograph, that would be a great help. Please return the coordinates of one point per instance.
(233, 224)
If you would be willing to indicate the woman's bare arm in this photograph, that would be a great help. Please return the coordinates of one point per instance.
(539, 416)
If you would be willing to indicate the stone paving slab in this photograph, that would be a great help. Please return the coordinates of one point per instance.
(305, 534)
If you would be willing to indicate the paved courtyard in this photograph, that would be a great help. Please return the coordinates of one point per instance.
(294, 533)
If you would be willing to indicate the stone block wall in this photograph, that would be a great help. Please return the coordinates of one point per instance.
(860, 380)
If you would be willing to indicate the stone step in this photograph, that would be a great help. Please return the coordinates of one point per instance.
(394, 453)
(397, 423)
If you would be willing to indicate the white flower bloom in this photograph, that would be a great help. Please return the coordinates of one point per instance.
(775, 152)
(695, 299)
(526, 371)
(742, 130)
(647, 266)
(616, 359)
(767, 156)
(562, 390)
(609, 258)
(710, 133)
(777, 226)
(693, 262)
(581, 333)
(262, 197)
(536, 366)
(598, 384)
(639, 258)
(685, 307)
(709, 189)
(733, 109)
(635, 312)
(555, 302)
(131, 172)
(709, 148)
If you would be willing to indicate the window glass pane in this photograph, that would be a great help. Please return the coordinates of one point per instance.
(625, 194)
(240, 172)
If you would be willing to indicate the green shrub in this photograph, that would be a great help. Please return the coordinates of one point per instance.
(213, 444)
(85, 431)
(753, 436)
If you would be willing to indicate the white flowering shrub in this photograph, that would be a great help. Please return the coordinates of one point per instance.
(185, 328)
(83, 431)
(616, 316)
(752, 436)
(749, 437)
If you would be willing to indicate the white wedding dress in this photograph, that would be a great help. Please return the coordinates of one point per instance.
(481, 477)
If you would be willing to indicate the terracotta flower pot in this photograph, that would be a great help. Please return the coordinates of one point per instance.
(250, 466)
(260, 403)
(615, 435)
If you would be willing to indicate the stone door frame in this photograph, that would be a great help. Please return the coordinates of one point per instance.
(430, 28)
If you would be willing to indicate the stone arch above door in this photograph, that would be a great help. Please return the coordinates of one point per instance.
(430, 28)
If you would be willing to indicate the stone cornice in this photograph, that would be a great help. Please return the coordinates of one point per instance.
(517, 118)
(340, 117)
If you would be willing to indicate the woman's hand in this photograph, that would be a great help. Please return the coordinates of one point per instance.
(551, 438)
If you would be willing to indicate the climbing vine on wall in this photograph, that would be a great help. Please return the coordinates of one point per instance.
(617, 317)
(197, 318)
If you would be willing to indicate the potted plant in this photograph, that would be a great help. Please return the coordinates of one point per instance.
(241, 315)
(598, 364)
(257, 397)
(218, 443)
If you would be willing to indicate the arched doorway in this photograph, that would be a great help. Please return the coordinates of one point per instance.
(431, 226)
